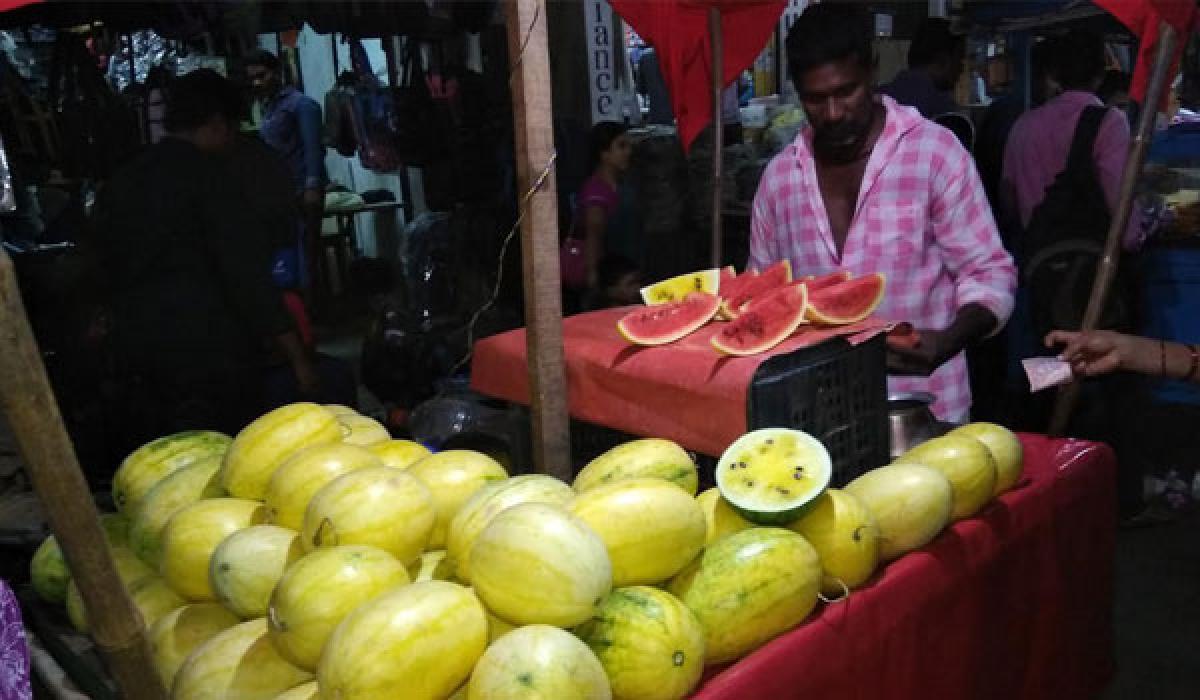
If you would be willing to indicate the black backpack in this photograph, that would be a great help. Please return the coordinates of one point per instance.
(1064, 243)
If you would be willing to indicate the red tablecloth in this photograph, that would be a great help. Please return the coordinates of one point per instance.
(1014, 603)
(685, 391)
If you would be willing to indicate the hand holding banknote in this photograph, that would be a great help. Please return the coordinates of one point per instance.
(1094, 353)
(1097, 353)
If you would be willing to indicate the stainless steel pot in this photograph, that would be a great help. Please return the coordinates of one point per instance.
(911, 422)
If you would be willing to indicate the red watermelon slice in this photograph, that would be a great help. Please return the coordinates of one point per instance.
(734, 300)
(816, 282)
(765, 322)
(666, 323)
(732, 286)
(846, 302)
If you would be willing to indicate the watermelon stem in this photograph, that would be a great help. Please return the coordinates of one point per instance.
(845, 591)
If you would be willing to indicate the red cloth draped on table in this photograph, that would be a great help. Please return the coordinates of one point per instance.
(1143, 18)
(678, 31)
(1013, 603)
(686, 391)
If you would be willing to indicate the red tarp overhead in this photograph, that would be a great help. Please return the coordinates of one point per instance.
(678, 31)
(1143, 18)
(6, 5)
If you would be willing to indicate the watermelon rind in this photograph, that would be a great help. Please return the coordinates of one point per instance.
(819, 282)
(677, 288)
(684, 318)
(757, 456)
(837, 306)
(785, 306)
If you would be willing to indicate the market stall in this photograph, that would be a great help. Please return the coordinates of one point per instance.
(312, 555)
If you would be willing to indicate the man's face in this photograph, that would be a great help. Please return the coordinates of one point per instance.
(263, 81)
(839, 100)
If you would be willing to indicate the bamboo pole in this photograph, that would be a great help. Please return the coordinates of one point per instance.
(50, 462)
(1106, 270)
(717, 45)
(534, 126)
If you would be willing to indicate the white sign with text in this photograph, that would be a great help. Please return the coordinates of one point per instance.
(602, 70)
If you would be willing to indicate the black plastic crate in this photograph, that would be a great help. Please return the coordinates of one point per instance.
(836, 392)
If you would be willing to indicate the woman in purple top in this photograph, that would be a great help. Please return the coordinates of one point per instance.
(14, 654)
(597, 210)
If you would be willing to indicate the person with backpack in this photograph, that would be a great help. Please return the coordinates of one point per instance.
(1038, 150)
(1061, 183)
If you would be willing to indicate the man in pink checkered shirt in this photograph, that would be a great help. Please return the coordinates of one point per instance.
(871, 186)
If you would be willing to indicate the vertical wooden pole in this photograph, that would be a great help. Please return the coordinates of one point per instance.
(534, 125)
(49, 458)
(717, 44)
(1106, 270)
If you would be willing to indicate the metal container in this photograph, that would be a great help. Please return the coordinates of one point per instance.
(911, 422)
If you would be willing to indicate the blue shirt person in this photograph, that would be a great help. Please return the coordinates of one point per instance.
(292, 127)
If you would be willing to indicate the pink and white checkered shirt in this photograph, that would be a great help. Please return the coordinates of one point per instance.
(922, 219)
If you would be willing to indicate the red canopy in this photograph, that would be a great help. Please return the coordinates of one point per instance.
(1143, 18)
(678, 31)
(6, 5)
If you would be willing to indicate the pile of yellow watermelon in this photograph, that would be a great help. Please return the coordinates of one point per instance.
(312, 556)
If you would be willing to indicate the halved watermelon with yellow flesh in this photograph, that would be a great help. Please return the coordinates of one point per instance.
(676, 288)
(817, 282)
(766, 322)
(846, 302)
(666, 323)
(734, 300)
(774, 475)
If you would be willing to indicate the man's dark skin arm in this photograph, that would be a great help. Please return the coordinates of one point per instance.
(972, 323)
(242, 264)
(307, 379)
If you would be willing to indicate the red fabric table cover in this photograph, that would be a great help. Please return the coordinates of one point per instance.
(685, 391)
(1014, 603)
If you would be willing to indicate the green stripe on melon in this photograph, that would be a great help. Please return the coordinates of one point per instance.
(650, 644)
(152, 462)
(749, 588)
(650, 457)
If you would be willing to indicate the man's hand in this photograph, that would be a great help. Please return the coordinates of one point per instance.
(933, 347)
(932, 350)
